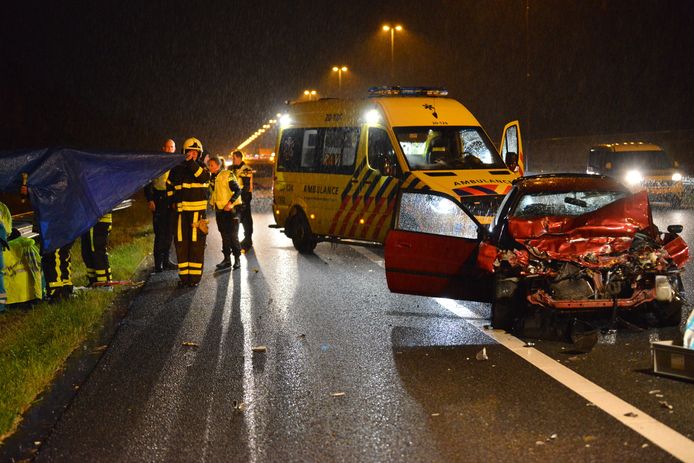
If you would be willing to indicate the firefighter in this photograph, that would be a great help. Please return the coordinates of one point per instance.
(56, 266)
(188, 184)
(226, 199)
(245, 174)
(163, 216)
(95, 254)
(57, 269)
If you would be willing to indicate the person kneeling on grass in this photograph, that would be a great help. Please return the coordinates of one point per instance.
(226, 199)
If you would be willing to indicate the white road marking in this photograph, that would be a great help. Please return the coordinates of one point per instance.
(661, 435)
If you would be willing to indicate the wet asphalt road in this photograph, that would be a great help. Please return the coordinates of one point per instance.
(351, 373)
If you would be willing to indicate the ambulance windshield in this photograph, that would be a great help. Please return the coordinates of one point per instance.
(447, 148)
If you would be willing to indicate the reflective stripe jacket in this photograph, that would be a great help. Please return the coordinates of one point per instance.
(226, 190)
(187, 186)
(245, 173)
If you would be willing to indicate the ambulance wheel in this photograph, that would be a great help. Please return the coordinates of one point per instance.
(505, 303)
(302, 236)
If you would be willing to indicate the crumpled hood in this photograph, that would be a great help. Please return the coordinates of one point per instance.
(607, 230)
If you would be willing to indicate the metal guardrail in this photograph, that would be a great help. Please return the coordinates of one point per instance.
(24, 222)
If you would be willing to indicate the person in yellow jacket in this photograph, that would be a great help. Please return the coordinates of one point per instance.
(5, 230)
(226, 199)
(95, 252)
(188, 184)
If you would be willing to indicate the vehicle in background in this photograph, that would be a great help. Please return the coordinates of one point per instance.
(341, 163)
(262, 170)
(562, 247)
(639, 165)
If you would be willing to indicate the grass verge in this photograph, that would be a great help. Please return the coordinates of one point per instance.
(35, 343)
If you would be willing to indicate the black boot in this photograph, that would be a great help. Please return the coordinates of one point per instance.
(226, 263)
(237, 262)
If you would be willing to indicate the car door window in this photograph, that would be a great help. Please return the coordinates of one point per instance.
(434, 214)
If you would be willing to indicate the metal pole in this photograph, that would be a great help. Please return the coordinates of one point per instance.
(339, 82)
(392, 55)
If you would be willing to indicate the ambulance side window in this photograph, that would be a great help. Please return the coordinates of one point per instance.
(289, 155)
(381, 153)
(309, 149)
(339, 150)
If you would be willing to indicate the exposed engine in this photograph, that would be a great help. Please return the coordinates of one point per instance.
(646, 265)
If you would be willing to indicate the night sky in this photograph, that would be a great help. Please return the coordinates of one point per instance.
(125, 75)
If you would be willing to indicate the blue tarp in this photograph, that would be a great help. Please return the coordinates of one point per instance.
(71, 189)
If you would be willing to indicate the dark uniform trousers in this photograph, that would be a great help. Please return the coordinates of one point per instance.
(246, 217)
(56, 266)
(190, 246)
(228, 224)
(162, 222)
(94, 252)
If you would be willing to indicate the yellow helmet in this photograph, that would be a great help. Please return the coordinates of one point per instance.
(192, 144)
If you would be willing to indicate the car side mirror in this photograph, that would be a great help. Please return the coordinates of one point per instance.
(512, 161)
(675, 229)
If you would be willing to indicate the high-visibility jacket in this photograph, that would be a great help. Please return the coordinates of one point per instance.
(245, 173)
(22, 272)
(187, 186)
(226, 190)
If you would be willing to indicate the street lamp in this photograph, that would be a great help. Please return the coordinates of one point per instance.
(310, 94)
(339, 70)
(392, 29)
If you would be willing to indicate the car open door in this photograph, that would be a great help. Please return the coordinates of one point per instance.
(432, 249)
(511, 148)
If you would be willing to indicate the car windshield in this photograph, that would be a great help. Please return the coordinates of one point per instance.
(568, 203)
(447, 148)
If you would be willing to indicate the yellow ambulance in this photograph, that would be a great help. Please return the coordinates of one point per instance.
(340, 164)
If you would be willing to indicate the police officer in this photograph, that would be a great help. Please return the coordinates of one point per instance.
(188, 183)
(226, 199)
(95, 254)
(162, 216)
(245, 174)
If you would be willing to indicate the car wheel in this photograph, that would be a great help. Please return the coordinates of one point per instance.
(302, 237)
(506, 304)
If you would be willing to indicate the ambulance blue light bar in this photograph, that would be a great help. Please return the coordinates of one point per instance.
(407, 91)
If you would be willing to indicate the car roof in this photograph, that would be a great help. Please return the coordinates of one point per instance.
(568, 182)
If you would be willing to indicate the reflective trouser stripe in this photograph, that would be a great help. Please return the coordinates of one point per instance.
(58, 273)
(195, 272)
(195, 264)
(194, 236)
(180, 233)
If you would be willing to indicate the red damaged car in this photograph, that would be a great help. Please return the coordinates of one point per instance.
(560, 246)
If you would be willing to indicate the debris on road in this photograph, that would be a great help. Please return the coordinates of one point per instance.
(482, 355)
(259, 348)
(238, 406)
(190, 344)
(302, 336)
(529, 344)
(338, 394)
(654, 391)
(588, 438)
(435, 414)
(664, 404)
(552, 437)
(631, 415)
(539, 442)
(644, 446)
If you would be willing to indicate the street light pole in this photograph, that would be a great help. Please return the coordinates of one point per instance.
(339, 70)
(391, 29)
